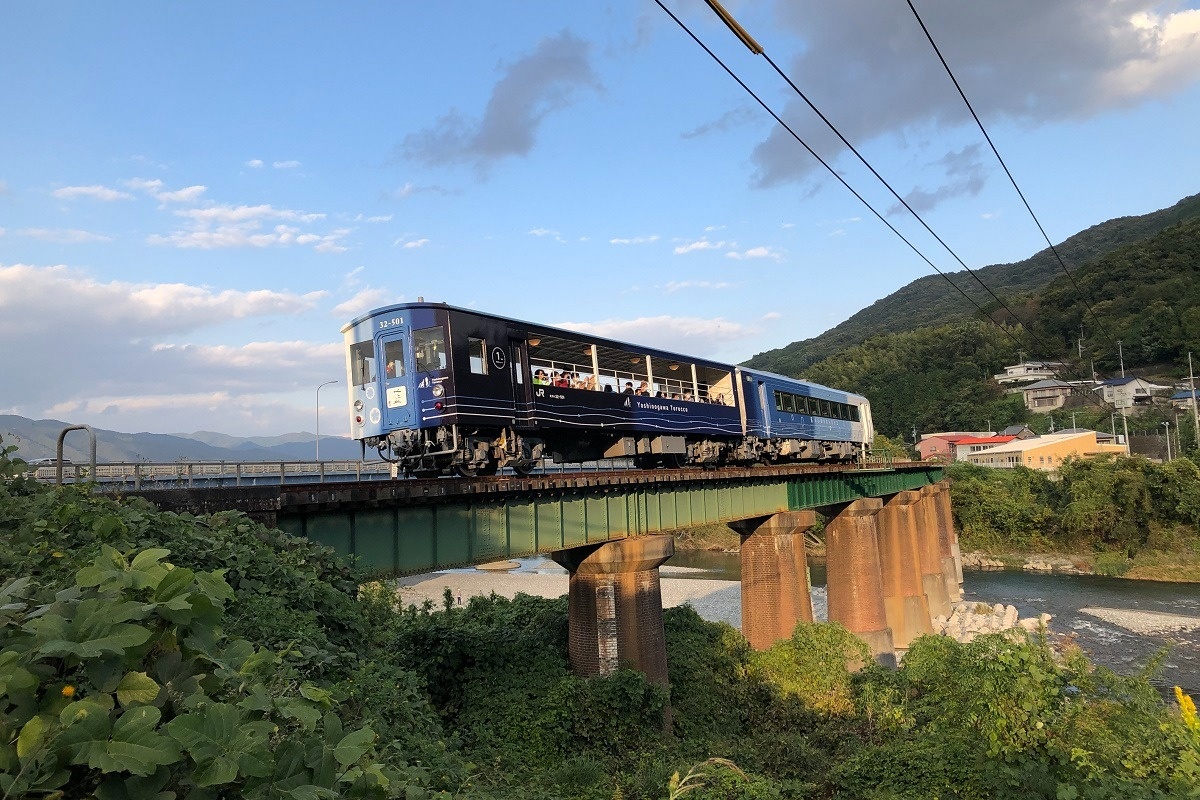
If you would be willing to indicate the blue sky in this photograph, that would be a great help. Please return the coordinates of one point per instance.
(194, 198)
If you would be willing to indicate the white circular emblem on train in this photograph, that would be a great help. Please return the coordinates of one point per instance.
(369, 391)
(499, 359)
(374, 415)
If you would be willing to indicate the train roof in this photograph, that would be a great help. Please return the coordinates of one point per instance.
(818, 390)
(540, 328)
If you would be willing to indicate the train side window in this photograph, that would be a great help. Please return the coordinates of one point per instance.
(789, 403)
(477, 351)
(393, 358)
(429, 349)
(362, 363)
(779, 401)
(825, 410)
(802, 405)
(854, 414)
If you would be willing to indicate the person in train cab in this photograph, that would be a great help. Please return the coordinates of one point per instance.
(628, 388)
(391, 369)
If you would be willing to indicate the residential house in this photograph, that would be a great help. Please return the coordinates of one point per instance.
(1183, 401)
(940, 446)
(1044, 453)
(977, 444)
(1046, 396)
(1021, 431)
(1129, 393)
(1030, 371)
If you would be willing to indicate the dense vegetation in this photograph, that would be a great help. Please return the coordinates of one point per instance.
(931, 301)
(1129, 512)
(152, 655)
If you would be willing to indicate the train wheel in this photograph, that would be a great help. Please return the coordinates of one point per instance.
(525, 467)
(675, 461)
(463, 471)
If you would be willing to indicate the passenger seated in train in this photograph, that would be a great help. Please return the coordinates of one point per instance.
(628, 388)
(541, 378)
(643, 389)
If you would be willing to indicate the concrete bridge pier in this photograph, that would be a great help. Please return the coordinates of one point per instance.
(776, 587)
(854, 577)
(904, 598)
(946, 509)
(615, 612)
(933, 580)
(946, 541)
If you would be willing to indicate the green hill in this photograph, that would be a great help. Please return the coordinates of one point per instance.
(1146, 294)
(932, 301)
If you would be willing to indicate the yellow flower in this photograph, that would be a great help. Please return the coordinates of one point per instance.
(68, 691)
(1187, 708)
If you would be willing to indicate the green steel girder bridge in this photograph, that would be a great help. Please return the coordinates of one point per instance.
(411, 526)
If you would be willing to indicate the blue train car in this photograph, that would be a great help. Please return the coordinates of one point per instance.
(798, 419)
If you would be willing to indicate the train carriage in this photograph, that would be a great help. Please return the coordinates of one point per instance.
(436, 388)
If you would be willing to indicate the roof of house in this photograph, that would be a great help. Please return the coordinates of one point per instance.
(1184, 395)
(1049, 383)
(985, 439)
(1014, 430)
(1127, 380)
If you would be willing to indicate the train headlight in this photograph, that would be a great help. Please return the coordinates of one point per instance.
(358, 405)
(438, 390)
(438, 406)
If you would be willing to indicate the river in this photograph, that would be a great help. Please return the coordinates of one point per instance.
(1063, 597)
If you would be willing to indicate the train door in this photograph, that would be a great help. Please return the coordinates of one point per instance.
(521, 381)
(399, 398)
(484, 378)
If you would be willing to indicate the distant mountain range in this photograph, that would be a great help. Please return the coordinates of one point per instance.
(932, 301)
(38, 438)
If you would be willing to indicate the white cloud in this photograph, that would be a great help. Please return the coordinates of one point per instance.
(772, 315)
(117, 346)
(636, 240)
(675, 286)
(365, 300)
(754, 253)
(285, 164)
(92, 192)
(221, 226)
(381, 218)
(62, 236)
(414, 244)
(186, 195)
(544, 232)
(702, 244)
(255, 163)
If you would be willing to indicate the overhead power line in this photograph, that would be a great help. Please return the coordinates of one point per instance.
(1008, 172)
(757, 49)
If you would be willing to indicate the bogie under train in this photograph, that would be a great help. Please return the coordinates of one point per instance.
(441, 389)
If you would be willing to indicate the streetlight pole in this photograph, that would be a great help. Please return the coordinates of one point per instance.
(319, 388)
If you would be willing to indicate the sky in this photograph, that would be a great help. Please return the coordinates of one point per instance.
(194, 198)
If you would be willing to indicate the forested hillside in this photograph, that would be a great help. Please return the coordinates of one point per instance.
(932, 301)
(1147, 295)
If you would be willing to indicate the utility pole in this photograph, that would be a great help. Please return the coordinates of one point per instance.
(1121, 355)
(1167, 425)
(1081, 342)
(1072, 419)
(1192, 386)
(1125, 424)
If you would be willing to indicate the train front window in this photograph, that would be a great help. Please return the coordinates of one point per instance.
(393, 358)
(362, 363)
(429, 349)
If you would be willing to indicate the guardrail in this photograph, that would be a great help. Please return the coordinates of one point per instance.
(143, 475)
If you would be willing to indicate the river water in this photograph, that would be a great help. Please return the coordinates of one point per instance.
(1063, 597)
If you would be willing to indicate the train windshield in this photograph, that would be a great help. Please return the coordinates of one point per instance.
(429, 346)
(362, 363)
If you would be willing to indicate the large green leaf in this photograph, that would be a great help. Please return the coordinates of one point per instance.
(137, 687)
(136, 746)
(97, 627)
(354, 746)
(222, 745)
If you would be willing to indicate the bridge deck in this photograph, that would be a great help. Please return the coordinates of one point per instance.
(410, 526)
